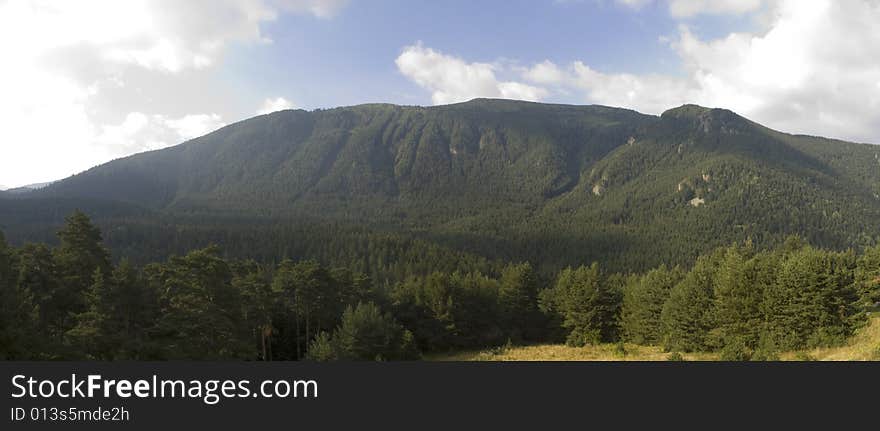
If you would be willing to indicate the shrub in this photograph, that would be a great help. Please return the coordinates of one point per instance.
(620, 349)
(736, 350)
(763, 354)
(675, 357)
(875, 354)
(804, 356)
(365, 334)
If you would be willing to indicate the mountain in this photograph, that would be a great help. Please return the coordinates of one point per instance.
(291, 159)
(553, 184)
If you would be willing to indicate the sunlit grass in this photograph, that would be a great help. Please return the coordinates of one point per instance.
(561, 352)
(863, 346)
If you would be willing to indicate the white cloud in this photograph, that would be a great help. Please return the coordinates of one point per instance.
(635, 4)
(815, 69)
(70, 69)
(645, 93)
(162, 35)
(276, 104)
(319, 8)
(545, 73)
(194, 125)
(140, 131)
(689, 8)
(451, 79)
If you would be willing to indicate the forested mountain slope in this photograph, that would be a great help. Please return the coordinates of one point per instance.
(552, 184)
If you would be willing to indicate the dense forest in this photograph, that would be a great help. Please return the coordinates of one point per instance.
(388, 232)
(72, 301)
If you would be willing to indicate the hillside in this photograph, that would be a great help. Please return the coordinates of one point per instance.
(553, 184)
(394, 155)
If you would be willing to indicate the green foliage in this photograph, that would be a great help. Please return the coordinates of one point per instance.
(80, 254)
(744, 303)
(422, 211)
(518, 299)
(365, 334)
(454, 310)
(17, 311)
(763, 354)
(803, 356)
(675, 357)
(643, 300)
(867, 278)
(735, 350)
(588, 302)
(117, 323)
(376, 187)
(259, 306)
(813, 300)
(323, 348)
(687, 316)
(199, 308)
(620, 349)
(312, 298)
(740, 283)
(39, 286)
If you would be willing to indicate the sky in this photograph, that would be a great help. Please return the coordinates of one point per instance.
(85, 82)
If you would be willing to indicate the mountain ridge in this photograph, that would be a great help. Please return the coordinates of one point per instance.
(513, 180)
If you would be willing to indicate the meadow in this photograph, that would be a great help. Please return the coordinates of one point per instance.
(863, 346)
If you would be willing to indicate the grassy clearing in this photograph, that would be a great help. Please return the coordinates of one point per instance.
(561, 352)
(863, 346)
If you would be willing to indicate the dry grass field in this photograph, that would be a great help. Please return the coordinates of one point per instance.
(863, 346)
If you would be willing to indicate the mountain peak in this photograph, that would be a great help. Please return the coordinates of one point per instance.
(706, 119)
(686, 110)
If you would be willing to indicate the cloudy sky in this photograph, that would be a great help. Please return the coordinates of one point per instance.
(83, 82)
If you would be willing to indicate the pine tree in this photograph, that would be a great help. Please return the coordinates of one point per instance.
(91, 337)
(260, 303)
(518, 295)
(308, 290)
(643, 300)
(201, 314)
(867, 279)
(365, 334)
(80, 254)
(740, 283)
(814, 300)
(588, 304)
(17, 311)
(38, 281)
(687, 314)
(133, 310)
(427, 305)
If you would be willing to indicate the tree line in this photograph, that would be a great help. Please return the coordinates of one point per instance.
(73, 302)
(743, 303)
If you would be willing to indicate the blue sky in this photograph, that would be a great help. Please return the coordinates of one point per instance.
(88, 81)
(349, 59)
